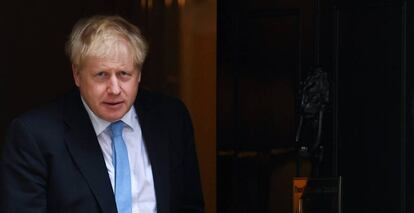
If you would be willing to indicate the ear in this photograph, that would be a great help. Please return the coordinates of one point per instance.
(76, 75)
(139, 76)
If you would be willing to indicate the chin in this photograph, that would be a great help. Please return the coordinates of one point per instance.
(112, 117)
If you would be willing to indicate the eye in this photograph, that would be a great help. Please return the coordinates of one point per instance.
(101, 74)
(124, 75)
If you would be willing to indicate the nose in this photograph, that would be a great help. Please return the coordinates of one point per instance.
(113, 86)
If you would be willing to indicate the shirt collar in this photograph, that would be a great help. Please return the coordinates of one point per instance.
(100, 124)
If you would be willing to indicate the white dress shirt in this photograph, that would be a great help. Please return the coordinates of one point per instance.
(142, 182)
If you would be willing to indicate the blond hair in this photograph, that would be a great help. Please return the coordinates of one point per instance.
(99, 35)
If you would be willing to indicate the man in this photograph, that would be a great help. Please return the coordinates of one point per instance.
(106, 147)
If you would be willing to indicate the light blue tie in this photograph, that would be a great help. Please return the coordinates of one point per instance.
(121, 165)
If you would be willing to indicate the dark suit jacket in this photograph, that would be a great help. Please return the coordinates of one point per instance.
(52, 162)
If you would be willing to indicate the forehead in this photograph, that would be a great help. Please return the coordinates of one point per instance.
(93, 64)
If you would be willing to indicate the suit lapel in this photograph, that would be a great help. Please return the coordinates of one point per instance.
(86, 152)
(156, 143)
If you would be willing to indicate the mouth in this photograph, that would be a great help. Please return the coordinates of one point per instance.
(113, 104)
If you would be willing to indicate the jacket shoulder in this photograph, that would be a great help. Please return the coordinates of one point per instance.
(49, 115)
(151, 100)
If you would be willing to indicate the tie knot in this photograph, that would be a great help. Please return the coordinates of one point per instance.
(116, 128)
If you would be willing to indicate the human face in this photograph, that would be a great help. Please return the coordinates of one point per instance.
(109, 84)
